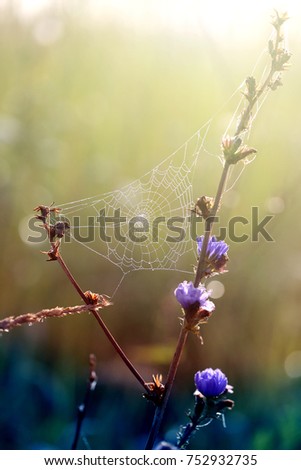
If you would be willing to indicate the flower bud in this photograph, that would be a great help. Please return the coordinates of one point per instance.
(211, 383)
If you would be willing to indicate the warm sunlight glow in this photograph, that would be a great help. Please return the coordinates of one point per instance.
(232, 20)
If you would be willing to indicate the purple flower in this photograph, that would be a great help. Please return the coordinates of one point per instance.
(211, 383)
(215, 248)
(216, 254)
(188, 295)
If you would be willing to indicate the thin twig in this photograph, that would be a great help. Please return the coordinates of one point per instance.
(101, 323)
(82, 409)
(55, 235)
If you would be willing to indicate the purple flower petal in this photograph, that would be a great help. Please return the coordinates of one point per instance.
(215, 248)
(211, 383)
(216, 253)
(187, 295)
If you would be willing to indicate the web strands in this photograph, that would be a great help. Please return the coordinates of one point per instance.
(146, 225)
(164, 192)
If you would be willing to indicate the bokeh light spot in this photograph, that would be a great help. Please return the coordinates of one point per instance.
(48, 30)
(292, 364)
(217, 288)
(275, 205)
(31, 231)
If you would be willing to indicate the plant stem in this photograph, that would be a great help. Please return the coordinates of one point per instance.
(82, 408)
(160, 410)
(81, 413)
(184, 333)
(101, 323)
(71, 278)
(91, 300)
(119, 351)
(209, 223)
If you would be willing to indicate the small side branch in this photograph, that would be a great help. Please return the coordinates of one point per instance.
(7, 324)
(82, 409)
(56, 233)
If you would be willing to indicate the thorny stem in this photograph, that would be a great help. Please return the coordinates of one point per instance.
(189, 430)
(200, 271)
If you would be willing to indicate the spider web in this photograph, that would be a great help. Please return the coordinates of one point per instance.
(146, 225)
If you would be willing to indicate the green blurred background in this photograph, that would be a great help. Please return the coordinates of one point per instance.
(92, 98)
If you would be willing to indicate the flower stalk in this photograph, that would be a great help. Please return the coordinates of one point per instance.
(160, 408)
(233, 152)
(211, 401)
(202, 264)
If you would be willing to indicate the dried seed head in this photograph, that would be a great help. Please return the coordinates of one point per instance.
(156, 389)
(203, 206)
